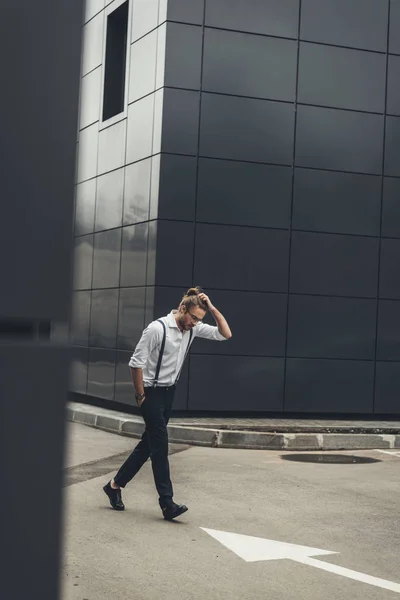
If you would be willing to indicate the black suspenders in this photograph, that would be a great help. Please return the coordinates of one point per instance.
(160, 356)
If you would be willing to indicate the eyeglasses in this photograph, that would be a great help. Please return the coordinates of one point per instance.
(194, 318)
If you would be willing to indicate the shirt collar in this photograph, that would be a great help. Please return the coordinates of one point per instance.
(171, 319)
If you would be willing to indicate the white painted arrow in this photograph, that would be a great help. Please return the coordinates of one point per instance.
(253, 549)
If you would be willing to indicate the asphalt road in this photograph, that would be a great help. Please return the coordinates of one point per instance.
(351, 509)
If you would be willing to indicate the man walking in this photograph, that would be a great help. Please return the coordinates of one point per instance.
(156, 366)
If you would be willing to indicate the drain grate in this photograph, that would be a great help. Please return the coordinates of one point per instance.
(330, 459)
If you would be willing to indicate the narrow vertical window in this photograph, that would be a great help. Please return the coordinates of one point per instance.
(115, 65)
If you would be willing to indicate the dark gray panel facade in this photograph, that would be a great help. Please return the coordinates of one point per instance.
(174, 261)
(83, 262)
(104, 318)
(265, 169)
(123, 380)
(109, 200)
(334, 265)
(393, 86)
(246, 129)
(266, 338)
(388, 342)
(269, 17)
(347, 384)
(392, 142)
(389, 283)
(106, 259)
(85, 202)
(387, 387)
(137, 192)
(391, 207)
(336, 202)
(177, 188)
(80, 318)
(228, 257)
(183, 56)
(394, 27)
(101, 373)
(327, 327)
(186, 12)
(358, 84)
(134, 255)
(239, 193)
(180, 121)
(131, 311)
(79, 369)
(353, 23)
(340, 140)
(249, 65)
(256, 383)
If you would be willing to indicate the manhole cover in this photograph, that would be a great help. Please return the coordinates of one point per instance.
(334, 459)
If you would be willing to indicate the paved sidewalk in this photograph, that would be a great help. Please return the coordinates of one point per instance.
(292, 425)
(263, 434)
(348, 511)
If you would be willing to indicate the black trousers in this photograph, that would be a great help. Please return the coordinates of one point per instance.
(156, 411)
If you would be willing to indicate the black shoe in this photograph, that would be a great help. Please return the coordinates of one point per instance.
(172, 511)
(114, 496)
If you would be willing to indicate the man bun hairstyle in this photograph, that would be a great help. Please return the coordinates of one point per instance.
(191, 299)
(194, 291)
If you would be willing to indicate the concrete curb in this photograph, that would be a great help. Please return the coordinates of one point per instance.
(132, 426)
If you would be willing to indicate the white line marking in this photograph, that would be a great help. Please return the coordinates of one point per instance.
(388, 452)
(253, 549)
(376, 581)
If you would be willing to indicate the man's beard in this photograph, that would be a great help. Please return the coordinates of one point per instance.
(183, 325)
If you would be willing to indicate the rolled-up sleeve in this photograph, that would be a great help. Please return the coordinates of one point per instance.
(209, 332)
(151, 336)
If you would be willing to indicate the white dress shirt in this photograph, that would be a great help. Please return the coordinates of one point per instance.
(176, 343)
